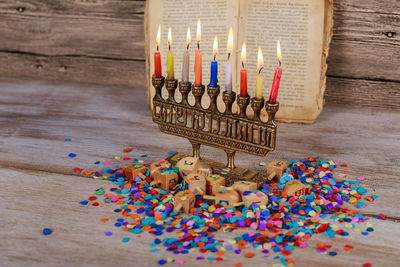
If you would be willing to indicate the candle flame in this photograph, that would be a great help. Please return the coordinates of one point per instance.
(215, 47)
(243, 56)
(198, 35)
(230, 43)
(278, 52)
(169, 36)
(188, 38)
(260, 60)
(158, 36)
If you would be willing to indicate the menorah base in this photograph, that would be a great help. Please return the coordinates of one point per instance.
(231, 175)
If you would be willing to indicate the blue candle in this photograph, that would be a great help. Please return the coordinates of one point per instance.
(214, 74)
(214, 65)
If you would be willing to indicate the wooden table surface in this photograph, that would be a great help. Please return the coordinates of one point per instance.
(40, 189)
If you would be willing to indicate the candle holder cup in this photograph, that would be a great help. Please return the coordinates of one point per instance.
(211, 126)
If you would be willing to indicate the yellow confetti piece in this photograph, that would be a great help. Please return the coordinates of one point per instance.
(169, 259)
(334, 227)
(308, 180)
(348, 226)
(232, 241)
(312, 213)
(211, 208)
(357, 230)
(117, 157)
(268, 245)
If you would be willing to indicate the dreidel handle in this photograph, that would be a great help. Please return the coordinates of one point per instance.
(178, 207)
(271, 176)
(209, 197)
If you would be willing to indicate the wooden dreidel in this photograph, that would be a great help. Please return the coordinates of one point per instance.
(196, 183)
(188, 165)
(213, 182)
(296, 188)
(165, 178)
(242, 186)
(184, 201)
(158, 165)
(133, 170)
(226, 197)
(205, 170)
(276, 169)
(257, 197)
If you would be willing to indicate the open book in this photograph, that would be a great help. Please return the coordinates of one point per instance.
(304, 28)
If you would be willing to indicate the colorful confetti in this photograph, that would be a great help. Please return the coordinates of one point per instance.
(47, 231)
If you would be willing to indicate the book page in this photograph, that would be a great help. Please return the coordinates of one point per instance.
(299, 25)
(216, 16)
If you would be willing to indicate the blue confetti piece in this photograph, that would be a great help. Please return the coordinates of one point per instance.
(332, 253)
(97, 162)
(84, 202)
(72, 155)
(47, 231)
(162, 262)
(108, 233)
(171, 152)
(126, 239)
(68, 139)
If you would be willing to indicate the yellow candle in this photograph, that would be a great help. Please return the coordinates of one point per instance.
(259, 78)
(259, 86)
(170, 58)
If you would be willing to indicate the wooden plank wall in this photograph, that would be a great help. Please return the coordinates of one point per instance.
(102, 41)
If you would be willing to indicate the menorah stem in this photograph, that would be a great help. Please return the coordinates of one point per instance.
(230, 154)
(158, 84)
(196, 149)
(171, 87)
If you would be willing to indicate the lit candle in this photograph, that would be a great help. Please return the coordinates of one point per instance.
(157, 56)
(186, 59)
(259, 78)
(197, 61)
(243, 73)
(170, 58)
(277, 78)
(214, 65)
(228, 66)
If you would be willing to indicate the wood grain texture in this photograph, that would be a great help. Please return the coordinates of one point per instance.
(102, 120)
(40, 189)
(51, 200)
(365, 44)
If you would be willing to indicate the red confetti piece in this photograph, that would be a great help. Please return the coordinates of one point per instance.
(95, 204)
(367, 264)
(348, 247)
(78, 169)
(88, 172)
(343, 165)
(218, 259)
(382, 216)
(92, 198)
(127, 149)
(126, 158)
(286, 252)
(249, 255)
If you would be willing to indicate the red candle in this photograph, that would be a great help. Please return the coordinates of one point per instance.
(277, 77)
(157, 56)
(198, 71)
(243, 73)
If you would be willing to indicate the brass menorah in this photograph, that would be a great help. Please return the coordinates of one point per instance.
(209, 126)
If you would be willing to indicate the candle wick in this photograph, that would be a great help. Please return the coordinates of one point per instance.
(187, 47)
(198, 45)
(169, 47)
(229, 55)
(157, 48)
(214, 57)
(280, 63)
(242, 64)
(259, 72)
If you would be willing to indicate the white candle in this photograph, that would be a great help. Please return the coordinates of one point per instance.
(228, 65)
(186, 59)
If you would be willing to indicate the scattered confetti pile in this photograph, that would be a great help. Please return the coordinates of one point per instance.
(279, 227)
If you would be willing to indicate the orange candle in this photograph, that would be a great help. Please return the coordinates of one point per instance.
(197, 62)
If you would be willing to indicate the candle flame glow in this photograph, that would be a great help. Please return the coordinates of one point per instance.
(198, 35)
(188, 38)
(243, 56)
(278, 52)
(158, 36)
(230, 43)
(215, 47)
(169, 36)
(260, 60)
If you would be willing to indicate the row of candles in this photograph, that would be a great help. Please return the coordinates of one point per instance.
(214, 65)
